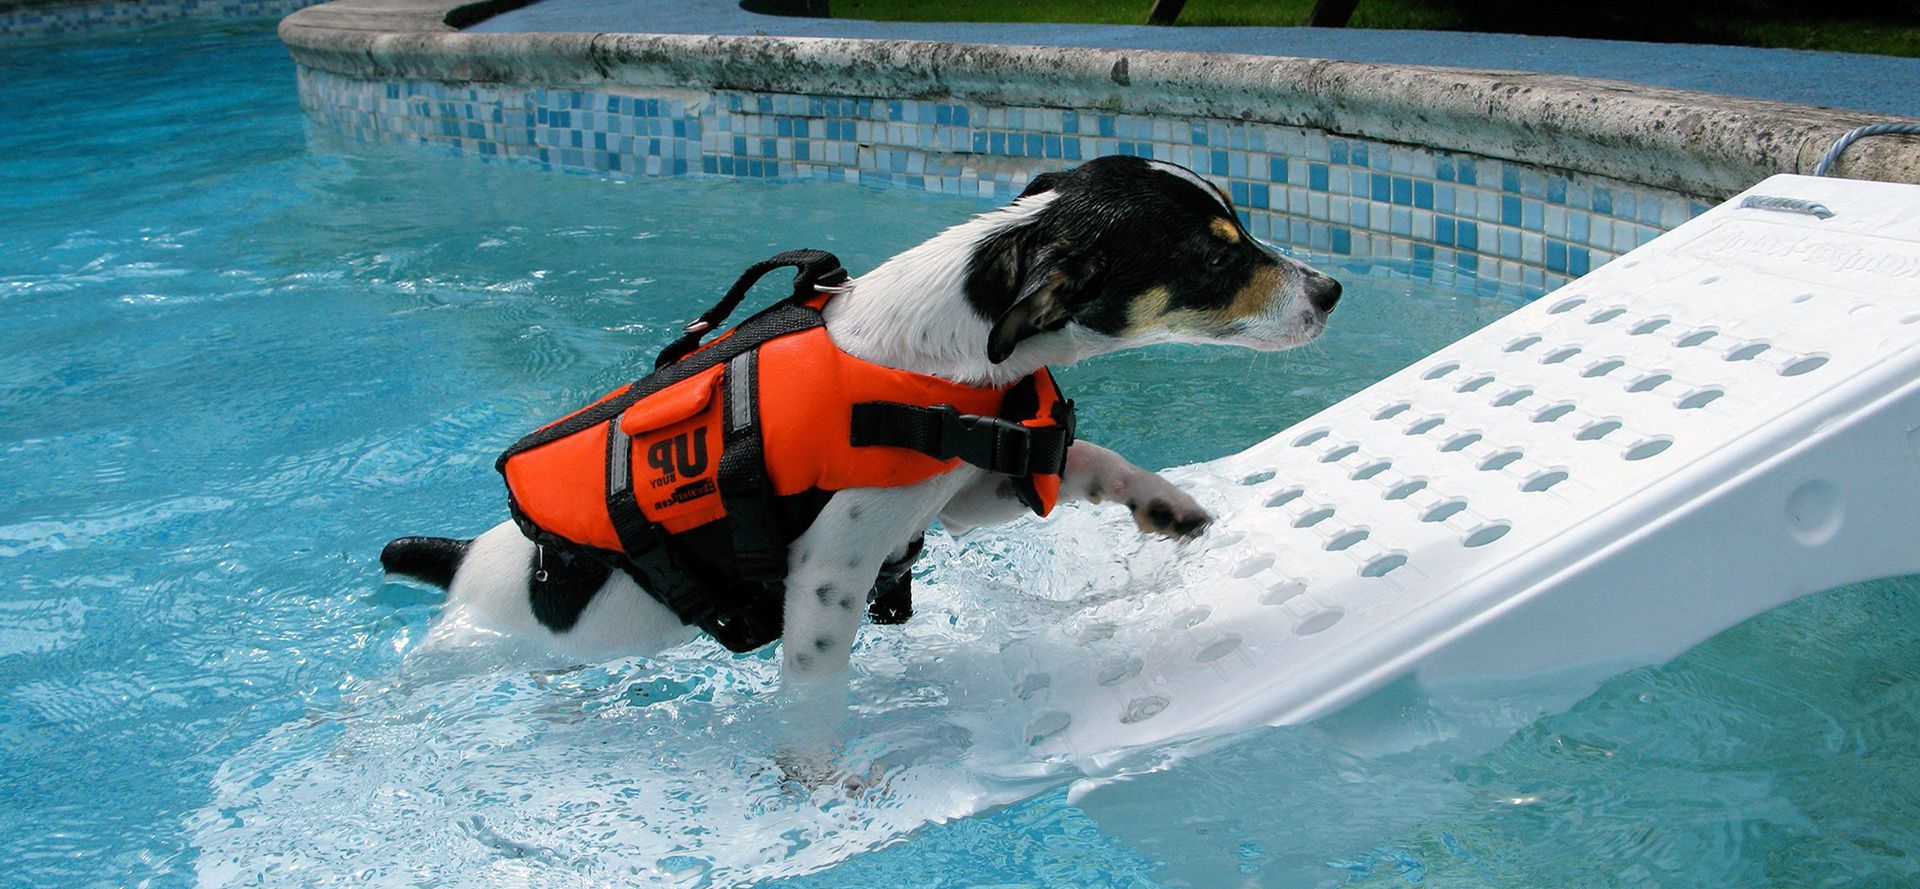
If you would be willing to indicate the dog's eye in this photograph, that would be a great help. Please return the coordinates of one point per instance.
(1218, 257)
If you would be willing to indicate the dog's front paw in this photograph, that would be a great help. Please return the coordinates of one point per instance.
(1160, 508)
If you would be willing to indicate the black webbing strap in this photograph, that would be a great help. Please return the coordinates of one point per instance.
(943, 432)
(816, 267)
(759, 548)
(642, 541)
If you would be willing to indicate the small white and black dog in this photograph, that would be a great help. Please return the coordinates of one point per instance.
(1116, 253)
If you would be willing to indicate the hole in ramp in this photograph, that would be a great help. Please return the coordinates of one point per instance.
(1500, 460)
(1512, 397)
(1443, 511)
(1553, 412)
(1143, 709)
(1217, 650)
(1459, 441)
(1382, 565)
(1650, 381)
(1346, 539)
(1688, 341)
(1424, 426)
(1392, 410)
(1404, 489)
(1371, 469)
(1285, 497)
(1258, 478)
(1524, 343)
(1544, 480)
(1648, 448)
(1566, 305)
(1319, 621)
(1309, 438)
(1747, 352)
(1440, 370)
(1597, 430)
(1486, 534)
(1698, 398)
(1253, 566)
(1799, 366)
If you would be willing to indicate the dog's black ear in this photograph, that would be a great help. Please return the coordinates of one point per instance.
(1042, 182)
(1042, 309)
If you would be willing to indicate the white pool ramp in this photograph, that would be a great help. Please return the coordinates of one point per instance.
(1721, 421)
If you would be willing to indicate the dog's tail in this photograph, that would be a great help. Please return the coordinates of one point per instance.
(430, 559)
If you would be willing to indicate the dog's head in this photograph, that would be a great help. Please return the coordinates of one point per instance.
(1125, 251)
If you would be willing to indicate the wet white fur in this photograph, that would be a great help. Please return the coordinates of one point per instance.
(879, 317)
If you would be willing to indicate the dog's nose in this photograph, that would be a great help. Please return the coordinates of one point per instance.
(1322, 292)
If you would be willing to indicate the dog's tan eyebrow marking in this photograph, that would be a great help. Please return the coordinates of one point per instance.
(1225, 230)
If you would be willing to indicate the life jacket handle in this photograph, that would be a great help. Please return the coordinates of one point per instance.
(817, 267)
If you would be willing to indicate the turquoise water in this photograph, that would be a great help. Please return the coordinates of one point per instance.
(233, 364)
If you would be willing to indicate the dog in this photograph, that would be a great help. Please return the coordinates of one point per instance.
(1116, 253)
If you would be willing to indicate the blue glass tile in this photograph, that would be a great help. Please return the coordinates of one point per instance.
(979, 141)
(1466, 172)
(1317, 177)
(899, 162)
(1443, 168)
(1036, 146)
(1073, 149)
(726, 165)
(765, 104)
(1361, 214)
(540, 116)
(943, 115)
(1382, 187)
(1468, 263)
(1579, 261)
(1277, 169)
(578, 139)
(613, 162)
(895, 110)
(1336, 151)
(1603, 201)
(739, 145)
(1556, 256)
(783, 127)
(1443, 229)
(1443, 198)
(1401, 222)
(1533, 215)
(1556, 190)
(613, 104)
(1144, 149)
(1579, 227)
(1423, 194)
(1509, 178)
(1124, 148)
(1403, 191)
(1053, 147)
(1423, 253)
(769, 148)
(1245, 220)
(997, 143)
(961, 116)
(1198, 134)
(1695, 208)
(1509, 209)
(1069, 122)
(1510, 243)
(1260, 196)
(801, 128)
(1106, 125)
(599, 140)
(1357, 154)
(1239, 193)
(803, 150)
(1219, 163)
(1342, 240)
(577, 98)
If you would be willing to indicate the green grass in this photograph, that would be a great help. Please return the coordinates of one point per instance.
(1801, 27)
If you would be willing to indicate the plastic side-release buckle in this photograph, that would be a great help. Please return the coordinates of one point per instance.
(990, 443)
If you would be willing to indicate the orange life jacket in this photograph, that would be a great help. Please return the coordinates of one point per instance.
(697, 477)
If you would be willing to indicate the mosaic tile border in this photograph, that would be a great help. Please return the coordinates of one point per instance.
(1456, 219)
(34, 22)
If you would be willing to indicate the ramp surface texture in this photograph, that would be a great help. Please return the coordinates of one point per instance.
(1721, 421)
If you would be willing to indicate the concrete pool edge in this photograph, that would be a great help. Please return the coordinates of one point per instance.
(1695, 143)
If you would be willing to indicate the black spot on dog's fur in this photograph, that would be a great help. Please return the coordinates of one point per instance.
(824, 594)
(1160, 513)
(853, 513)
(823, 643)
(561, 585)
(846, 603)
(802, 660)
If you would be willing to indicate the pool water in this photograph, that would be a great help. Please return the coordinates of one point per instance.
(233, 363)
